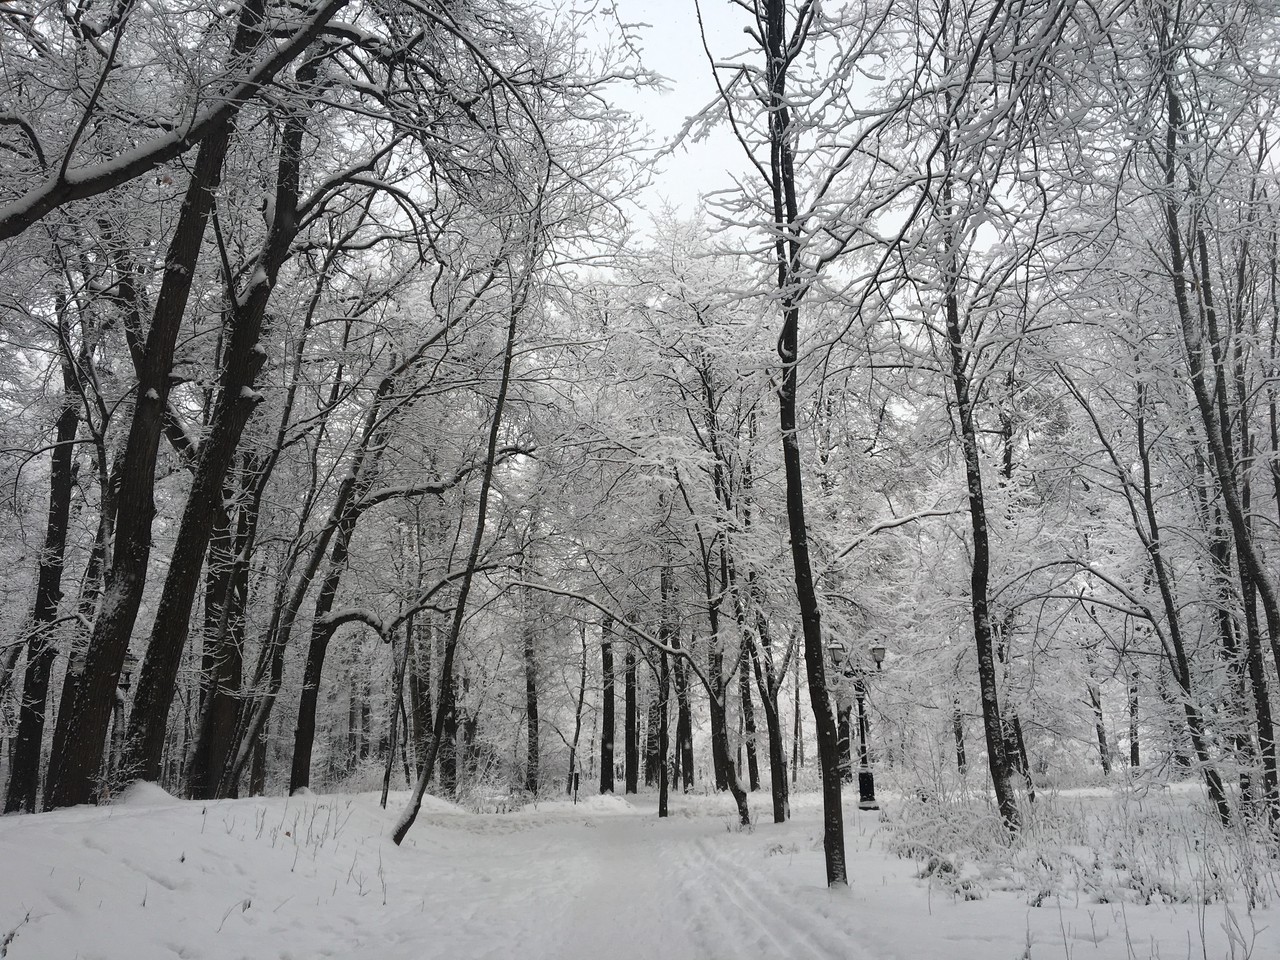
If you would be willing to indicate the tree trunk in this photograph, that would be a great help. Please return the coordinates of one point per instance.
(24, 768)
(89, 698)
(999, 762)
(1104, 751)
(684, 724)
(577, 711)
(236, 402)
(844, 728)
(664, 734)
(797, 730)
(446, 696)
(720, 733)
(631, 756)
(226, 596)
(304, 733)
(446, 745)
(420, 687)
(787, 250)
(530, 697)
(402, 666)
(652, 734)
(1135, 753)
(748, 715)
(606, 706)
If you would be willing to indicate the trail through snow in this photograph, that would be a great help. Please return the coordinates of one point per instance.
(316, 876)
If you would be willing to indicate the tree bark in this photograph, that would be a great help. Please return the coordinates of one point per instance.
(89, 697)
(24, 767)
(530, 695)
(606, 706)
(446, 696)
(664, 732)
(235, 404)
(1135, 751)
(748, 714)
(422, 639)
(998, 760)
(787, 249)
(684, 725)
(321, 633)
(226, 593)
(631, 733)
(578, 704)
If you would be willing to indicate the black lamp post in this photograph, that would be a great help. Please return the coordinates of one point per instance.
(858, 674)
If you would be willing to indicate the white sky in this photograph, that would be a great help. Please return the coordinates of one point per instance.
(671, 46)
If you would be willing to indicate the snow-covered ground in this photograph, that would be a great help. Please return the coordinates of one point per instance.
(317, 876)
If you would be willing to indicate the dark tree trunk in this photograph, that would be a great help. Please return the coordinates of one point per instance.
(577, 713)
(720, 732)
(684, 726)
(797, 730)
(719, 744)
(89, 698)
(748, 715)
(1135, 752)
(664, 733)
(844, 728)
(24, 769)
(787, 250)
(397, 709)
(768, 682)
(998, 759)
(365, 694)
(631, 756)
(1019, 746)
(258, 763)
(236, 403)
(226, 596)
(446, 697)
(606, 707)
(957, 729)
(530, 699)
(1211, 406)
(447, 748)
(1104, 751)
(1262, 704)
(304, 733)
(420, 687)
(469, 749)
(652, 748)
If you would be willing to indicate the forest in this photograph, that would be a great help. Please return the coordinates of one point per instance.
(372, 440)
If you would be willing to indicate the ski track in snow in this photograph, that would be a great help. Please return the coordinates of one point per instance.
(318, 877)
(752, 919)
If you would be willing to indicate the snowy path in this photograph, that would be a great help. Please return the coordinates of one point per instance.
(317, 877)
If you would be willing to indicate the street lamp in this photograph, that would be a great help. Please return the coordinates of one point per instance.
(841, 661)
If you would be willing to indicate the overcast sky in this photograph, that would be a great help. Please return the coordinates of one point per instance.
(672, 46)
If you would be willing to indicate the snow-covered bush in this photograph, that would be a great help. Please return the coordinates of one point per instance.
(1124, 845)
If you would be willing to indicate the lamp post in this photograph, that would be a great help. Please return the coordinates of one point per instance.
(841, 661)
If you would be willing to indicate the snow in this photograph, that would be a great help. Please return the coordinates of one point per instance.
(317, 876)
(143, 794)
